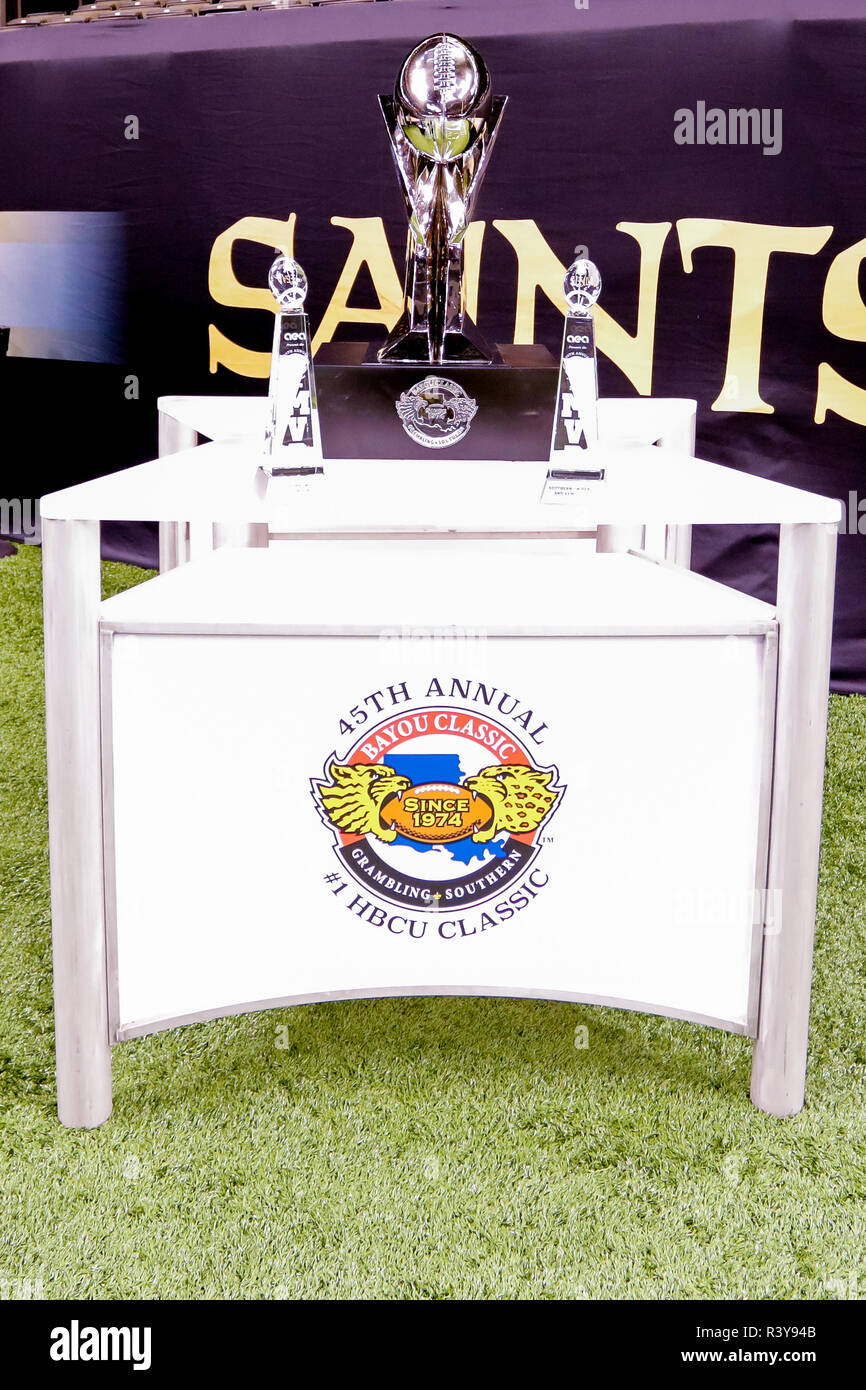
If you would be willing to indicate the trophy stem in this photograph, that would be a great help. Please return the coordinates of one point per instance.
(438, 315)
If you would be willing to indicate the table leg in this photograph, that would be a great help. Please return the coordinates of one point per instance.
(679, 435)
(71, 597)
(173, 545)
(678, 546)
(238, 533)
(804, 603)
(173, 537)
(619, 538)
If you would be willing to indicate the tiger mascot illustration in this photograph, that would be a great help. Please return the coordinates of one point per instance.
(352, 800)
(520, 797)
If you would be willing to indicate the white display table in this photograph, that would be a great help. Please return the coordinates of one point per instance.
(261, 812)
(185, 421)
(234, 673)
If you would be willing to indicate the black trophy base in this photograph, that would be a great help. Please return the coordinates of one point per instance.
(498, 410)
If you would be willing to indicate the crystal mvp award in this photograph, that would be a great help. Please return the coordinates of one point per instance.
(575, 421)
(292, 439)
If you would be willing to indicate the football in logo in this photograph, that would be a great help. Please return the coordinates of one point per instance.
(439, 807)
(437, 813)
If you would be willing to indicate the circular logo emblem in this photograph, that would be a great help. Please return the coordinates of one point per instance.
(436, 412)
(439, 807)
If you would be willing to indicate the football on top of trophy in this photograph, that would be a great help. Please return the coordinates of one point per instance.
(582, 286)
(443, 88)
(288, 284)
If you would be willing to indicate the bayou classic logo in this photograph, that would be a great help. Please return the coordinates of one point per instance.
(436, 412)
(439, 808)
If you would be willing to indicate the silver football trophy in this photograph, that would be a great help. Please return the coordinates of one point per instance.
(575, 422)
(293, 443)
(442, 121)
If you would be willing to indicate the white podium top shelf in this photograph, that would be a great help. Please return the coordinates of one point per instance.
(222, 482)
(641, 419)
(450, 589)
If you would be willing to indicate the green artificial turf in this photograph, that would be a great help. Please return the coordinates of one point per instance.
(423, 1148)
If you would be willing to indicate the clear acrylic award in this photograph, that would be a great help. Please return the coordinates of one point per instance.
(573, 470)
(293, 443)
